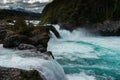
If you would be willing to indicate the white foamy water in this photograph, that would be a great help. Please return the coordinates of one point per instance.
(82, 55)
(85, 56)
(80, 76)
(28, 60)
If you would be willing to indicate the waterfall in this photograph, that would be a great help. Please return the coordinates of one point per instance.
(28, 60)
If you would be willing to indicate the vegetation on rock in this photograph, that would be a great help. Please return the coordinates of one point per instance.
(21, 31)
(78, 12)
(12, 14)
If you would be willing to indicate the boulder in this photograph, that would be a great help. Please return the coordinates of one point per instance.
(23, 46)
(9, 33)
(3, 33)
(15, 41)
(18, 74)
(42, 35)
(41, 48)
(42, 39)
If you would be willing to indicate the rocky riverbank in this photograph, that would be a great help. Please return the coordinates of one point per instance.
(24, 37)
(100, 16)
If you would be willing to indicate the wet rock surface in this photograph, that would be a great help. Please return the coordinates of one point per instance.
(26, 46)
(33, 41)
(15, 40)
(18, 74)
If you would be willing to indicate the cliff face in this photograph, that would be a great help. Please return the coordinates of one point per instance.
(71, 13)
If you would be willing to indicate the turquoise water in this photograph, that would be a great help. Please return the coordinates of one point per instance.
(86, 57)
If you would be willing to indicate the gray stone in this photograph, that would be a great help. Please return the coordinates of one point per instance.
(15, 40)
(18, 74)
(26, 46)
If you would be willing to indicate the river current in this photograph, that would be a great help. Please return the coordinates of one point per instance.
(82, 55)
(85, 56)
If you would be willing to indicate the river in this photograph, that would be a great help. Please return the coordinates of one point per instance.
(85, 56)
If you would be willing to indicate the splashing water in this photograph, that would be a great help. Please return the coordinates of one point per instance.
(86, 57)
(28, 60)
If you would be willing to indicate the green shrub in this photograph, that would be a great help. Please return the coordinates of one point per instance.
(77, 12)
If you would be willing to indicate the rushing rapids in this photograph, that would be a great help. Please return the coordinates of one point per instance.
(28, 60)
(85, 56)
(82, 55)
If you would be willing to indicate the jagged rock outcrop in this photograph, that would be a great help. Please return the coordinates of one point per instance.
(33, 40)
(18, 74)
(38, 40)
(41, 48)
(42, 39)
(15, 40)
(3, 33)
(42, 35)
(107, 28)
(56, 33)
(26, 46)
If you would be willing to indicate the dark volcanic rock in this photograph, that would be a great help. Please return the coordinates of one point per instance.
(18, 74)
(15, 40)
(52, 28)
(107, 28)
(42, 36)
(9, 33)
(3, 33)
(110, 33)
(26, 46)
(41, 48)
(42, 39)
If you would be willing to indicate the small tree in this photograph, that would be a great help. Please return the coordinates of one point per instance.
(21, 27)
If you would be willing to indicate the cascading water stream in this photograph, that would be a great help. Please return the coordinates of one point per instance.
(85, 56)
(82, 55)
(28, 60)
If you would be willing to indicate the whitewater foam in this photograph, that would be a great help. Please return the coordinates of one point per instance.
(49, 68)
(80, 76)
(82, 52)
